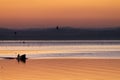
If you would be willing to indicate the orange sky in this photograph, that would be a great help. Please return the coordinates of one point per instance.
(49, 13)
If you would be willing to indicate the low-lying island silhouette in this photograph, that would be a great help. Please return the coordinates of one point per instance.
(60, 33)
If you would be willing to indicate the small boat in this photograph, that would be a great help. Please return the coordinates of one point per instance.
(21, 58)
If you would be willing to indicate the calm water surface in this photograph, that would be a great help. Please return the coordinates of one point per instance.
(61, 69)
(61, 60)
(62, 49)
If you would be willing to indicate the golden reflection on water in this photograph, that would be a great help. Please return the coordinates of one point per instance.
(60, 69)
(57, 49)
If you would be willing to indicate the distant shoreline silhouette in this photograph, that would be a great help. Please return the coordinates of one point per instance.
(61, 33)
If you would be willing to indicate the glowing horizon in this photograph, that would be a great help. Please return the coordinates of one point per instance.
(49, 13)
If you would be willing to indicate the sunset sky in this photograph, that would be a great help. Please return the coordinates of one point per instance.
(50, 13)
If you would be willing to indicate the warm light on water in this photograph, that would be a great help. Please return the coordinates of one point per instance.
(61, 60)
(61, 69)
(110, 48)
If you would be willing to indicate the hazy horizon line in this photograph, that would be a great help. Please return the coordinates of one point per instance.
(61, 27)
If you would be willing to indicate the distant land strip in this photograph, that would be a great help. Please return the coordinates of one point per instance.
(65, 33)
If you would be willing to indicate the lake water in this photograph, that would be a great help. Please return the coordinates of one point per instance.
(62, 49)
(61, 60)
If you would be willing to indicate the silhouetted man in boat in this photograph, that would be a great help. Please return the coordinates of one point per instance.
(21, 58)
